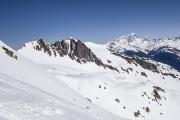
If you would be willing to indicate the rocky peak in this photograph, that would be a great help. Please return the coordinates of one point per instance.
(132, 36)
(61, 47)
(42, 45)
(83, 52)
(75, 49)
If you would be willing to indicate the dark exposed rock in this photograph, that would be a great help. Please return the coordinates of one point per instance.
(147, 109)
(142, 62)
(146, 65)
(117, 100)
(65, 47)
(43, 46)
(72, 46)
(136, 114)
(112, 68)
(15, 56)
(84, 60)
(79, 61)
(127, 70)
(76, 50)
(124, 70)
(143, 74)
(158, 88)
(156, 94)
(99, 62)
(79, 50)
(9, 52)
(61, 47)
(108, 61)
(82, 51)
(54, 53)
(89, 99)
(130, 69)
(169, 74)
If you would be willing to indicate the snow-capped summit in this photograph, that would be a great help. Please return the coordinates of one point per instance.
(128, 42)
(132, 37)
(155, 49)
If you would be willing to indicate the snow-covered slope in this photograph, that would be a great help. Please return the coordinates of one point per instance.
(134, 89)
(30, 92)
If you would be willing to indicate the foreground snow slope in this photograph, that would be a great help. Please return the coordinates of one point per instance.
(29, 92)
(132, 93)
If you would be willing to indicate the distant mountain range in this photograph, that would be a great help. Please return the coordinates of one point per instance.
(166, 51)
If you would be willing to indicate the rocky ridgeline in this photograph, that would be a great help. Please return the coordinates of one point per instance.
(9, 53)
(145, 64)
(75, 49)
(137, 61)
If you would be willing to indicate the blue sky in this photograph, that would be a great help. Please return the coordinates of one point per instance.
(89, 20)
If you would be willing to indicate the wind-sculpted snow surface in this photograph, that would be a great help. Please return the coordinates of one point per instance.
(22, 101)
(141, 89)
(29, 92)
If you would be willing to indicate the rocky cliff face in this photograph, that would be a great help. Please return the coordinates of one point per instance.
(75, 49)
(43, 46)
(60, 47)
(81, 51)
(146, 65)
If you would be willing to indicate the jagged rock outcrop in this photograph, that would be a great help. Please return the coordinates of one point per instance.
(144, 64)
(141, 62)
(75, 49)
(43, 46)
(61, 47)
(9, 52)
(81, 51)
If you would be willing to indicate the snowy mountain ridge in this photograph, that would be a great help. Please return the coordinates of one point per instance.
(70, 48)
(98, 82)
(133, 40)
(136, 78)
(156, 49)
(30, 92)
